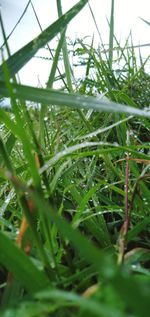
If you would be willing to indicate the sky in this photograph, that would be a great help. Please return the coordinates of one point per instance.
(127, 13)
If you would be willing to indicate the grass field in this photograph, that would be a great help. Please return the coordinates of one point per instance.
(74, 180)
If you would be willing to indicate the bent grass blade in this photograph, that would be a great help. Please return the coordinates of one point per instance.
(54, 97)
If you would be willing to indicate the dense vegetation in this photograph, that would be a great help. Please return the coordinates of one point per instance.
(74, 181)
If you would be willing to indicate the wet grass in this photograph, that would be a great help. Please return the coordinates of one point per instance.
(74, 181)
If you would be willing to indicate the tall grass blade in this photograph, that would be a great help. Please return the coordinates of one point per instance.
(12, 31)
(111, 34)
(21, 57)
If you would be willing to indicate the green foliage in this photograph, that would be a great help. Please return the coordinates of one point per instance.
(76, 167)
(20, 265)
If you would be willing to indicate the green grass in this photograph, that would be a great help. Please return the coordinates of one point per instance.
(77, 169)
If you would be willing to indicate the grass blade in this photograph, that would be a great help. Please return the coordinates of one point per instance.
(90, 307)
(147, 22)
(111, 34)
(21, 266)
(58, 98)
(21, 57)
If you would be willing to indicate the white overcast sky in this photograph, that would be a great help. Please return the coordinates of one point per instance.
(127, 13)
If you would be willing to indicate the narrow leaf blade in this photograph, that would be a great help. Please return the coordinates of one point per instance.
(54, 97)
(21, 266)
(21, 57)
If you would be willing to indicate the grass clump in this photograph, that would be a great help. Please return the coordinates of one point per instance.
(74, 176)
